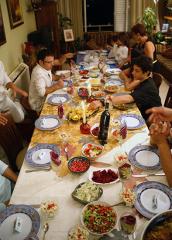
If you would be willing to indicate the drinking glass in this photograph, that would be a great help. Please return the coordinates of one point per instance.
(128, 223)
(124, 172)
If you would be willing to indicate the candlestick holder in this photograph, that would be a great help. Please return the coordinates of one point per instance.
(85, 128)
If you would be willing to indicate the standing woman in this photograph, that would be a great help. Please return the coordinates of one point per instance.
(144, 45)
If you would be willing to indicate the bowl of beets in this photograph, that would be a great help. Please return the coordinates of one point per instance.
(79, 164)
(83, 92)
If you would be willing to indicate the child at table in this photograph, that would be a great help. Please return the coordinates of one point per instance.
(6, 174)
(121, 53)
(145, 93)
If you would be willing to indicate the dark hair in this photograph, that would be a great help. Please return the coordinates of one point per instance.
(43, 53)
(123, 37)
(144, 62)
(139, 28)
(113, 38)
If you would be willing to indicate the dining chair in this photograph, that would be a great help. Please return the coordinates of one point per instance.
(158, 78)
(168, 99)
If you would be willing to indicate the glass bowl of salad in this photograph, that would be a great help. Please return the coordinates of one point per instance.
(78, 232)
(87, 192)
(92, 150)
(98, 218)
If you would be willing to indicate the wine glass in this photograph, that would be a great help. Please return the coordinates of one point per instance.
(124, 172)
(128, 223)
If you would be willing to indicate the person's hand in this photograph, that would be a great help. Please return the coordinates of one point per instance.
(23, 93)
(3, 120)
(94, 105)
(159, 114)
(59, 84)
(159, 132)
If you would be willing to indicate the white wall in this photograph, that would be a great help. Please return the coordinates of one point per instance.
(10, 52)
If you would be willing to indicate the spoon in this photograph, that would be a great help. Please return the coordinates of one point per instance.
(66, 152)
(45, 229)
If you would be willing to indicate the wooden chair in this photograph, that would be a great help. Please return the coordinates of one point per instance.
(168, 99)
(158, 78)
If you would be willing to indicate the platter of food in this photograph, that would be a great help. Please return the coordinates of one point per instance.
(104, 176)
(92, 150)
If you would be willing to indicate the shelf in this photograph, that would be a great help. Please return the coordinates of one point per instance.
(168, 18)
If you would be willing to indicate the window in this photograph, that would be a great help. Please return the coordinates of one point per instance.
(101, 15)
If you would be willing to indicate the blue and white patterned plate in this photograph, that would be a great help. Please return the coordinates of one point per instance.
(56, 99)
(47, 122)
(133, 121)
(145, 157)
(146, 191)
(30, 222)
(116, 82)
(39, 155)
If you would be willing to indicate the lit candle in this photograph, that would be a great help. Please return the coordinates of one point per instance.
(89, 89)
(83, 111)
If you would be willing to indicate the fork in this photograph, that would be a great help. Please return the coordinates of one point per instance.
(154, 202)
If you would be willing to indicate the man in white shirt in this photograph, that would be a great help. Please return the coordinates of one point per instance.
(41, 80)
(7, 105)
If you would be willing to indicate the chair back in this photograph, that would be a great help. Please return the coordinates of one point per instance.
(168, 99)
(158, 78)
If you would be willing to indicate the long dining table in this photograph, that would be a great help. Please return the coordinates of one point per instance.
(33, 188)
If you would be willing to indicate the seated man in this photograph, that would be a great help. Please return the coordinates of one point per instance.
(42, 80)
(5, 186)
(7, 105)
(145, 93)
(159, 132)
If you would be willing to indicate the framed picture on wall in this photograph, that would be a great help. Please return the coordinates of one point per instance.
(2, 30)
(68, 35)
(15, 13)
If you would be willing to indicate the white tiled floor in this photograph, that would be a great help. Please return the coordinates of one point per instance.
(163, 91)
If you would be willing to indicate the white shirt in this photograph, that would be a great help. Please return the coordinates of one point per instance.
(113, 51)
(5, 186)
(40, 80)
(121, 54)
(4, 79)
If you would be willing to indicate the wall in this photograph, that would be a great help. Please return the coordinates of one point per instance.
(10, 52)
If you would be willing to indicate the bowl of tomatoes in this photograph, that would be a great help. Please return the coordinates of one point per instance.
(83, 92)
(98, 218)
(79, 164)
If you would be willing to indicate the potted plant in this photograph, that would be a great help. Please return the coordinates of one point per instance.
(149, 20)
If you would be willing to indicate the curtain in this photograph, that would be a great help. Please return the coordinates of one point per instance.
(137, 7)
(121, 15)
(73, 10)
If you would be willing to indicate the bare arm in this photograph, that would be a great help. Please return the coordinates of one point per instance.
(121, 99)
(160, 114)
(56, 86)
(149, 49)
(15, 89)
(10, 175)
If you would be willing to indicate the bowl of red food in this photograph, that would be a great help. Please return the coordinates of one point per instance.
(83, 72)
(79, 164)
(98, 218)
(83, 92)
(94, 130)
(104, 176)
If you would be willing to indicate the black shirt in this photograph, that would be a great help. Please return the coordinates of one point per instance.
(146, 96)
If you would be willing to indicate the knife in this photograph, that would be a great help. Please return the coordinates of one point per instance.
(147, 175)
(37, 169)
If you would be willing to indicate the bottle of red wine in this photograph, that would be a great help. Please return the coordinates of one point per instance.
(104, 125)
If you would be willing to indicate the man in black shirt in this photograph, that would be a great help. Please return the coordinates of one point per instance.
(145, 93)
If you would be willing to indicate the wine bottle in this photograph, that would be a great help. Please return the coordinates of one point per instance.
(104, 125)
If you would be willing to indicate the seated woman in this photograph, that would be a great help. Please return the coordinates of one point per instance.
(145, 94)
(112, 46)
(6, 174)
(159, 132)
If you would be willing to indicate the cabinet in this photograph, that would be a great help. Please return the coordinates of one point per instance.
(47, 19)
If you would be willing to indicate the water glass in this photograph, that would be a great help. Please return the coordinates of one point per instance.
(127, 223)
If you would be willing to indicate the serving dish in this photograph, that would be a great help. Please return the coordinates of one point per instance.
(104, 176)
(98, 218)
(78, 164)
(159, 227)
(87, 192)
(92, 150)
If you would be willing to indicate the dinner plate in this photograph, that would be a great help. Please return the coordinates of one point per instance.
(39, 155)
(47, 122)
(146, 191)
(133, 121)
(30, 222)
(145, 157)
(101, 169)
(116, 82)
(56, 99)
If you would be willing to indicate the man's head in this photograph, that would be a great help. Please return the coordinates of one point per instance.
(142, 66)
(45, 58)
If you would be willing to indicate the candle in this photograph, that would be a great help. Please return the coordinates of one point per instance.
(89, 89)
(83, 111)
